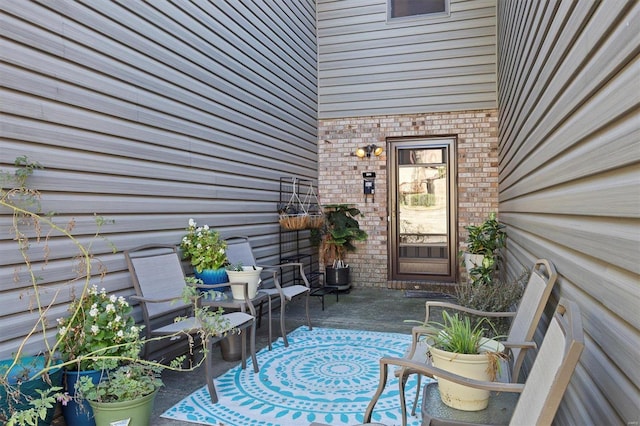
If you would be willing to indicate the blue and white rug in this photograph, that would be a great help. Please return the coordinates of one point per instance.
(325, 375)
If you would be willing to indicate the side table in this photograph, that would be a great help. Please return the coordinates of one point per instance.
(228, 302)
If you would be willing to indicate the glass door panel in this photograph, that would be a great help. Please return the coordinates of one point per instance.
(421, 216)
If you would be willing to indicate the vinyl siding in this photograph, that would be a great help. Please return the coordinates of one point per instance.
(569, 96)
(151, 114)
(370, 66)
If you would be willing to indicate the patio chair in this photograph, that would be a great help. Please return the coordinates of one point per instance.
(534, 402)
(523, 326)
(239, 250)
(159, 280)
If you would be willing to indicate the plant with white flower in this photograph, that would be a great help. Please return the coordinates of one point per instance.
(102, 330)
(203, 247)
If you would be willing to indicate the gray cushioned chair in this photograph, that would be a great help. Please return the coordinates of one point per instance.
(534, 402)
(159, 281)
(524, 322)
(239, 250)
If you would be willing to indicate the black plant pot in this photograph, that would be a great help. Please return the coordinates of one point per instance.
(338, 277)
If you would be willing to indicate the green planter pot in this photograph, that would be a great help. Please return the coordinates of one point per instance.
(131, 413)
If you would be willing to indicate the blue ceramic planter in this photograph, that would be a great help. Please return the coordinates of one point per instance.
(28, 388)
(79, 413)
(213, 276)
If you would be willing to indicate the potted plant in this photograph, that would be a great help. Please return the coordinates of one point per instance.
(483, 242)
(501, 295)
(22, 383)
(125, 396)
(206, 251)
(461, 348)
(98, 331)
(338, 234)
(244, 274)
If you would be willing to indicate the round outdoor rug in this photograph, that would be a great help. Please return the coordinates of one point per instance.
(325, 375)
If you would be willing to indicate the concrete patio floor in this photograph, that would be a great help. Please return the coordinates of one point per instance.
(362, 309)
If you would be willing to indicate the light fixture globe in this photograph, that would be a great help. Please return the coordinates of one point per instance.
(367, 150)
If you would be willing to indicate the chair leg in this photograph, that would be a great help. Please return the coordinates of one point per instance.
(307, 307)
(403, 404)
(208, 366)
(260, 314)
(252, 347)
(243, 337)
(374, 400)
(270, 333)
(282, 327)
(415, 400)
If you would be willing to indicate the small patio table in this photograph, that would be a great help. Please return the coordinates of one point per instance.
(228, 302)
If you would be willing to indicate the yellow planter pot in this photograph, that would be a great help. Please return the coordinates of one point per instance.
(476, 366)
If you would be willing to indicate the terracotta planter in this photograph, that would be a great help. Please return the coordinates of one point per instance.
(472, 366)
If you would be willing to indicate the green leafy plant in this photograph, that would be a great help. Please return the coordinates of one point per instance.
(99, 324)
(487, 237)
(39, 407)
(203, 247)
(339, 232)
(235, 267)
(456, 334)
(126, 383)
(486, 240)
(500, 295)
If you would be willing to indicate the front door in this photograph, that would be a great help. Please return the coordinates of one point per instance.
(423, 220)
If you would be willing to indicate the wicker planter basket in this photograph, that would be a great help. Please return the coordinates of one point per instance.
(294, 222)
(315, 221)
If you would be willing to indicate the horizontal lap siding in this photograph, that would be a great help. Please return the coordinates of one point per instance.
(369, 66)
(150, 114)
(569, 96)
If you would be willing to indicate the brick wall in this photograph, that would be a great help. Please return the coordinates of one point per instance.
(340, 175)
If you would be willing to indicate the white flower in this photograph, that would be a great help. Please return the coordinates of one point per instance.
(94, 311)
(120, 333)
(206, 227)
(192, 222)
(95, 329)
(110, 308)
(117, 318)
(113, 298)
(63, 331)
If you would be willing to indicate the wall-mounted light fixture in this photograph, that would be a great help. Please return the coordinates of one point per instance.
(368, 150)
